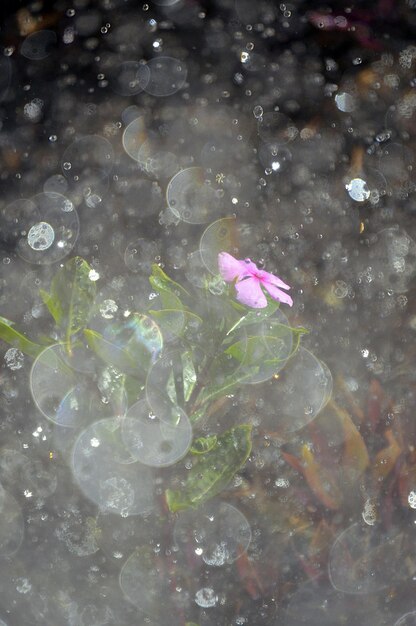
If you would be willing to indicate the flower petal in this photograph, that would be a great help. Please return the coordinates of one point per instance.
(274, 280)
(249, 293)
(229, 267)
(277, 294)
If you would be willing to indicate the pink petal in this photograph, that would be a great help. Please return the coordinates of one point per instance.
(274, 280)
(229, 267)
(277, 294)
(249, 293)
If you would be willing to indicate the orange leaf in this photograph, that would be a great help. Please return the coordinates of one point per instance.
(387, 457)
(355, 457)
(320, 480)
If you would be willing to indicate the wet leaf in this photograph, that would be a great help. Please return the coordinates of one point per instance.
(212, 471)
(386, 459)
(17, 340)
(161, 282)
(202, 445)
(256, 315)
(355, 457)
(126, 348)
(320, 479)
(71, 297)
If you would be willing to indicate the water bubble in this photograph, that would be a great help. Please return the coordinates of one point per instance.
(129, 78)
(14, 359)
(206, 597)
(167, 76)
(358, 190)
(190, 195)
(411, 499)
(108, 308)
(258, 112)
(345, 102)
(152, 441)
(38, 45)
(40, 236)
(106, 474)
(217, 532)
(409, 619)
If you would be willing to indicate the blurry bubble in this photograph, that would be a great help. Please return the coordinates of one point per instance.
(152, 441)
(40, 236)
(340, 289)
(228, 235)
(14, 359)
(345, 102)
(167, 76)
(298, 394)
(11, 524)
(217, 532)
(264, 351)
(77, 532)
(103, 469)
(56, 184)
(133, 137)
(155, 161)
(132, 345)
(365, 559)
(88, 157)
(129, 78)
(108, 308)
(146, 582)
(5, 76)
(44, 229)
(409, 619)
(189, 194)
(274, 157)
(51, 385)
(411, 499)
(276, 128)
(140, 255)
(195, 270)
(161, 389)
(393, 259)
(369, 513)
(358, 190)
(206, 597)
(129, 114)
(258, 112)
(396, 162)
(38, 45)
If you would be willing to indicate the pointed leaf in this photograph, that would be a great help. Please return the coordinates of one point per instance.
(256, 315)
(161, 282)
(71, 297)
(212, 471)
(17, 340)
(202, 445)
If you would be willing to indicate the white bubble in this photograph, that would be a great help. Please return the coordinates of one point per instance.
(358, 189)
(345, 102)
(14, 359)
(41, 236)
(108, 308)
(206, 597)
(411, 499)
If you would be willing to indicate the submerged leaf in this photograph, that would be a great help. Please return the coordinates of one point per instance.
(161, 282)
(71, 297)
(212, 471)
(202, 445)
(17, 340)
(130, 347)
(256, 315)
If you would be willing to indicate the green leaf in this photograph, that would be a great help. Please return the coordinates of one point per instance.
(161, 282)
(17, 340)
(202, 445)
(256, 315)
(226, 386)
(71, 297)
(130, 346)
(173, 322)
(212, 471)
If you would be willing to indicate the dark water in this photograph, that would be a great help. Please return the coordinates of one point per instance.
(127, 130)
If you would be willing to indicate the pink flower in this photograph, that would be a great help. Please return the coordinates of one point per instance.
(249, 280)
